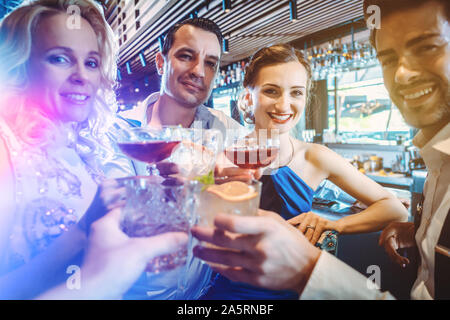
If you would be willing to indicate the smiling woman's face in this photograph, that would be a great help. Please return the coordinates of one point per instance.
(279, 96)
(64, 69)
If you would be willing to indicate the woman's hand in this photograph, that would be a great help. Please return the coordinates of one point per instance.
(313, 225)
(226, 171)
(235, 173)
(110, 195)
(114, 261)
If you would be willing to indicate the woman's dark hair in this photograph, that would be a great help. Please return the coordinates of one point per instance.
(202, 23)
(275, 54)
(388, 7)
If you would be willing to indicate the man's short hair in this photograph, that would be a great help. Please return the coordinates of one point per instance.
(202, 23)
(388, 7)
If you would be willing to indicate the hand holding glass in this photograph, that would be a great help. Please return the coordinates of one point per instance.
(155, 205)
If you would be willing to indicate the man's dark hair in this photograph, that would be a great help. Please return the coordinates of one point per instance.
(388, 7)
(202, 23)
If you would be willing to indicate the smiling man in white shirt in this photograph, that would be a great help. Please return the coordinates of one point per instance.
(413, 48)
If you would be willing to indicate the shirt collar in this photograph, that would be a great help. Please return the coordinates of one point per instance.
(438, 146)
(203, 117)
(148, 103)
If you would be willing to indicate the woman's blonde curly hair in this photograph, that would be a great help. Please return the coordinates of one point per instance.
(28, 121)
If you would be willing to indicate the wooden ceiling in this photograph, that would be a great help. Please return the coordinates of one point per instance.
(250, 25)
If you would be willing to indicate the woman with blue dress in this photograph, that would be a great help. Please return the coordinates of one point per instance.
(277, 87)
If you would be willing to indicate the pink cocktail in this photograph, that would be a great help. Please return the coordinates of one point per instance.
(253, 158)
(148, 151)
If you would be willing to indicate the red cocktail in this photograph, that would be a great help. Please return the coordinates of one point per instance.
(148, 151)
(253, 158)
(252, 153)
(150, 145)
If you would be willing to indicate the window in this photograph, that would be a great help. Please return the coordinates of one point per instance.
(124, 27)
(124, 38)
(365, 111)
(120, 20)
(136, 12)
(138, 25)
(136, 2)
(124, 16)
(119, 10)
(120, 42)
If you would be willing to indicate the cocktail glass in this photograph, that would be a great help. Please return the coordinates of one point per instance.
(149, 145)
(249, 153)
(156, 205)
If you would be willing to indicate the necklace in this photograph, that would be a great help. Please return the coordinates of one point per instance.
(291, 156)
(292, 152)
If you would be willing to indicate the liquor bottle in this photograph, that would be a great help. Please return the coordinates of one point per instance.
(238, 72)
(232, 75)
(222, 78)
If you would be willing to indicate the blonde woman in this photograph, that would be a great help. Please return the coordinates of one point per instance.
(57, 78)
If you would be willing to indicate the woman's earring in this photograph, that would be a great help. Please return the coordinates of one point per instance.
(249, 115)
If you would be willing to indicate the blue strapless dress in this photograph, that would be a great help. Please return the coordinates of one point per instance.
(285, 193)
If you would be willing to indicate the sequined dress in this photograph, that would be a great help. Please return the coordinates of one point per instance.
(53, 189)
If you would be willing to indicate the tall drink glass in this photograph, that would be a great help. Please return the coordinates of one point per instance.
(156, 205)
(232, 197)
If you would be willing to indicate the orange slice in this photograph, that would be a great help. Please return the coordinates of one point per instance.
(233, 191)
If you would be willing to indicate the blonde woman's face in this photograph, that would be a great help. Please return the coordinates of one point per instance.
(64, 69)
(279, 96)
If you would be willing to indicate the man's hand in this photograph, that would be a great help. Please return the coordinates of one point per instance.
(398, 235)
(264, 251)
(167, 168)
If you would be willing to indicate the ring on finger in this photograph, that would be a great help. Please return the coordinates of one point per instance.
(310, 227)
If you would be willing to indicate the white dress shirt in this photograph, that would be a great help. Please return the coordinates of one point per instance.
(209, 118)
(436, 155)
(333, 279)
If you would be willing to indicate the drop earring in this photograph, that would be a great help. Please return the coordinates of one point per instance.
(249, 115)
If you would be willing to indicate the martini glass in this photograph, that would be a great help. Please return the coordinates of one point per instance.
(149, 145)
(249, 153)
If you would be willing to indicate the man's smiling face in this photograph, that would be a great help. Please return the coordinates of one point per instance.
(413, 49)
(189, 69)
